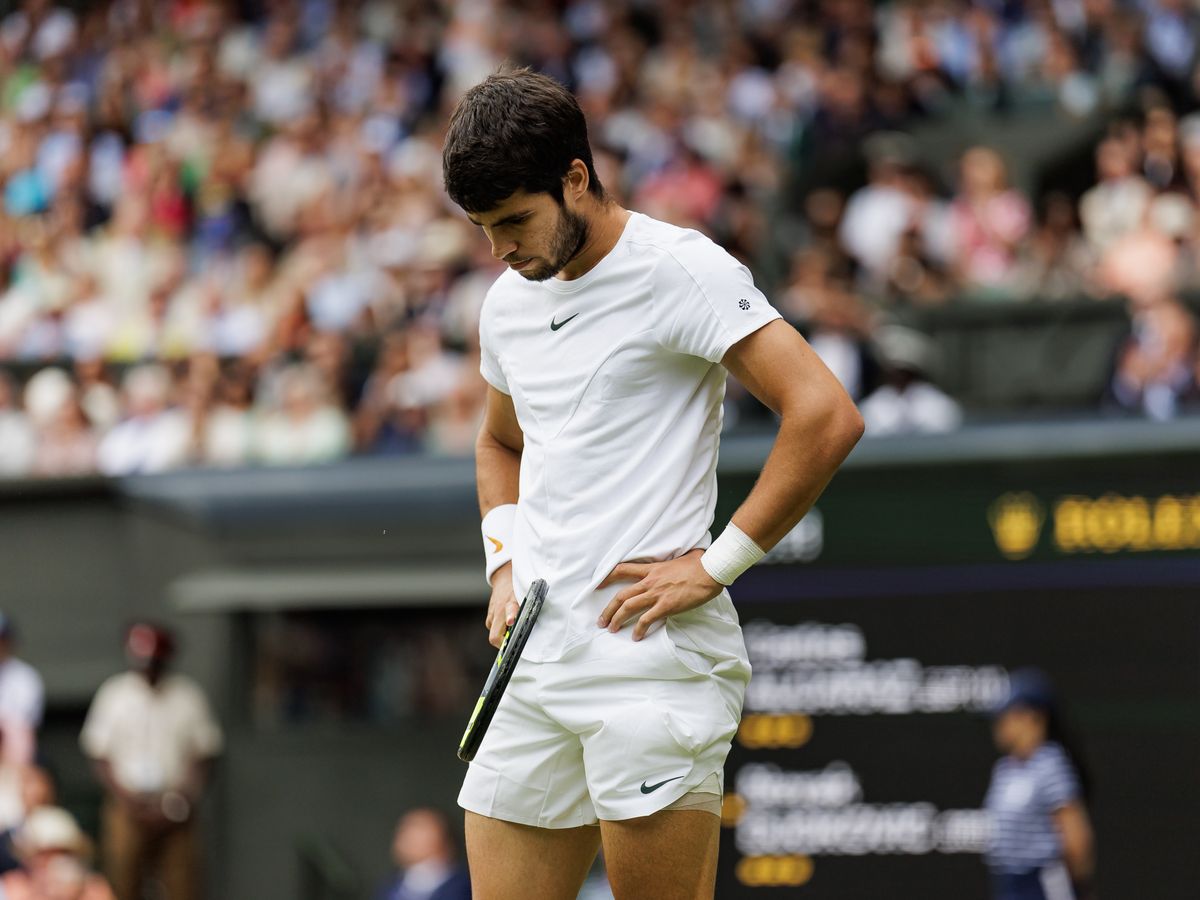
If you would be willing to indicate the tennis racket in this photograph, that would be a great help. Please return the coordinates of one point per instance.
(502, 669)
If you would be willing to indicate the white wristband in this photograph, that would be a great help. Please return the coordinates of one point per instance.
(497, 537)
(730, 555)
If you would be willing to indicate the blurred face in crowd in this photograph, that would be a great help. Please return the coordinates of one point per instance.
(281, 35)
(533, 233)
(420, 837)
(1160, 134)
(131, 217)
(1059, 216)
(823, 209)
(149, 652)
(328, 351)
(1019, 730)
(885, 172)
(36, 788)
(147, 391)
(1112, 161)
(301, 393)
(256, 262)
(1140, 266)
(423, 344)
(236, 389)
(68, 420)
(982, 172)
(58, 875)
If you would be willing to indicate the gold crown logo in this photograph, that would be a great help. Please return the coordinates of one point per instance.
(1016, 521)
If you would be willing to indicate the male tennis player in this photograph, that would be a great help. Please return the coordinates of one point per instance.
(606, 347)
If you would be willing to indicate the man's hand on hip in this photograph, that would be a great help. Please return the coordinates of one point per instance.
(503, 607)
(662, 589)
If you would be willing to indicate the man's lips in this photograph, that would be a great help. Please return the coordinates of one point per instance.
(518, 266)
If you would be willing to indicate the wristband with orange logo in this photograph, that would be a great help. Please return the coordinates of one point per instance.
(497, 537)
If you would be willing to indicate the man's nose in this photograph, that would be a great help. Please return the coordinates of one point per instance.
(501, 250)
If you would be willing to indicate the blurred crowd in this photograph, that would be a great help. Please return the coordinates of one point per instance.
(895, 244)
(223, 239)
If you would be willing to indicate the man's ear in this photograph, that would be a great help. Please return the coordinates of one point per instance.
(577, 179)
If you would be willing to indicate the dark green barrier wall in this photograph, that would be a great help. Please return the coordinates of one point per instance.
(1019, 356)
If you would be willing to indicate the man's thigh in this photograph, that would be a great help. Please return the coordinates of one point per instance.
(671, 855)
(178, 861)
(124, 851)
(516, 862)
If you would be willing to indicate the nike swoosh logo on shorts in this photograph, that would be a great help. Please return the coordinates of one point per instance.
(498, 544)
(554, 326)
(651, 788)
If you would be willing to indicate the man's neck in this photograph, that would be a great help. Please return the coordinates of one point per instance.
(605, 226)
(1027, 749)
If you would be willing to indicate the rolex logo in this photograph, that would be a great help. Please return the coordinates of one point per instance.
(1016, 521)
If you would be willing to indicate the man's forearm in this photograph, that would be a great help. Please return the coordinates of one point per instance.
(1075, 833)
(807, 452)
(498, 477)
(497, 473)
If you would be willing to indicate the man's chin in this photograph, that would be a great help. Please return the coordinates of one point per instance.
(537, 273)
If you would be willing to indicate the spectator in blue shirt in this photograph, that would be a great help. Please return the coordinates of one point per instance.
(427, 869)
(1041, 845)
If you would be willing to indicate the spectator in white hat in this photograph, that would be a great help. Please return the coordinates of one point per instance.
(154, 436)
(56, 855)
(908, 402)
(35, 789)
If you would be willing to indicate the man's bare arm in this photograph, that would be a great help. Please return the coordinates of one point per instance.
(497, 477)
(498, 452)
(819, 426)
(1078, 846)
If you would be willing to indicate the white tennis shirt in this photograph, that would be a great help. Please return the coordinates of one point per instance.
(150, 736)
(617, 384)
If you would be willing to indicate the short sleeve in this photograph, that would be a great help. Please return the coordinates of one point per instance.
(97, 733)
(489, 362)
(25, 695)
(1057, 781)
(708, 302)
(206, 736)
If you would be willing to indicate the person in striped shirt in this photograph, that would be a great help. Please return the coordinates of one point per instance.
(1041, 845)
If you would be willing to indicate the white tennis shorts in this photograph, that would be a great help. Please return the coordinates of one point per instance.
(613, 730)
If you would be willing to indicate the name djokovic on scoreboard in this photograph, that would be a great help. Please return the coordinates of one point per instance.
(823, 813)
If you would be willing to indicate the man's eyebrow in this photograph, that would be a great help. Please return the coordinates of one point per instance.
(507, 220)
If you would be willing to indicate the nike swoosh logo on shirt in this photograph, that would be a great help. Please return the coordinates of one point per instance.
(651, 788)
(554, 326)
(499, 544)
